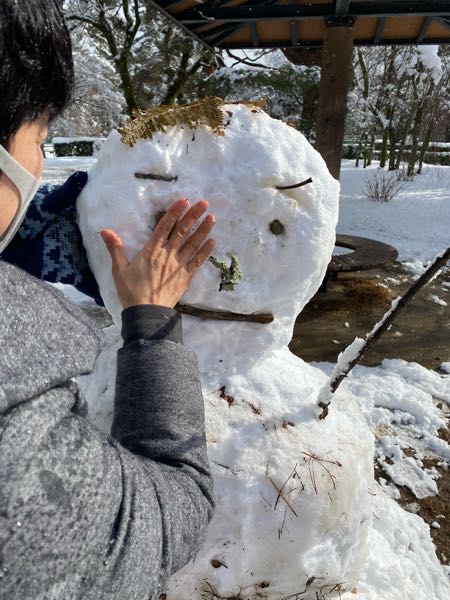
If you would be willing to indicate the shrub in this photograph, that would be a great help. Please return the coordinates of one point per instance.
(349, 151)
(383, 185)
(76, 146)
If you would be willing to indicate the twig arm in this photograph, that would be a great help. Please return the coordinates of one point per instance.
(373, 336)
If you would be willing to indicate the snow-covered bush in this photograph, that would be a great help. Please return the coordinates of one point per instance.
(383, 185)
(76, 146)
(97, 103)
(285, 88)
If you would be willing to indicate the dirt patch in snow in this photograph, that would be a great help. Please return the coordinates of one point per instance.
(356, 301)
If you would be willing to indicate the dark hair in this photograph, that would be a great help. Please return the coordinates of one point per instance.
(36, 67)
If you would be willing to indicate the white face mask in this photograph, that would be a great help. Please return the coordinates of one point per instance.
(27, 185)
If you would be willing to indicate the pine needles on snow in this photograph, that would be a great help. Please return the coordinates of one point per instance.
(145, 123)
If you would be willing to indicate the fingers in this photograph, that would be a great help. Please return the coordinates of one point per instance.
(165, 225)
(197, 239)
(185, 224)
(116, 250)
(201, 256)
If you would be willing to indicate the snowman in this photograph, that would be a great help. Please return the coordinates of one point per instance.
(293, 493)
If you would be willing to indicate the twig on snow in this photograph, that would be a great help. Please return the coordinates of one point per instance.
(156, 177)
(295, 185)
(373, 336)
(223, 315)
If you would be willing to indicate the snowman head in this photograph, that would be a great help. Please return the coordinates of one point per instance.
(281, 240)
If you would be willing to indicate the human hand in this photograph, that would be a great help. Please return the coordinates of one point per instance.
(163, 270)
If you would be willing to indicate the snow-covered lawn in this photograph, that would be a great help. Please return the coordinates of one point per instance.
(416, 221)
(57, 170)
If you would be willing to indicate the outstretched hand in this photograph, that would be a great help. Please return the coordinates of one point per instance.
(163, 270)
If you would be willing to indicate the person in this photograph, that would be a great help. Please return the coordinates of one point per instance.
(84, 515)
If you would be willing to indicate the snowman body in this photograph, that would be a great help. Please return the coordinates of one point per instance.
(293, 493)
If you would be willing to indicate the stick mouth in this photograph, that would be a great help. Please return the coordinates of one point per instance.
(224, 315)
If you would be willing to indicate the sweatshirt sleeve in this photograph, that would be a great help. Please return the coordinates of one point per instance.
(86, 515)
(159, 417)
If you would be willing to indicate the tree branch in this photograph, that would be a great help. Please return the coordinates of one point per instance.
(132, 27)
(243, 61)
(126, 12)
(339, 375)
(83, 20)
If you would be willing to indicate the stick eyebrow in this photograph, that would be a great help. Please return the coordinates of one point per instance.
(156, 177)
(295, 185)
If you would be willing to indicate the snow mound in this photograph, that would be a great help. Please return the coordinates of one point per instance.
(402, 563)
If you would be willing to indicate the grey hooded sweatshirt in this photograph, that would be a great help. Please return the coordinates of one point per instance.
(84, 515)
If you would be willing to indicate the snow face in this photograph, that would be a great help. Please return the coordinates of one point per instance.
(238, 174)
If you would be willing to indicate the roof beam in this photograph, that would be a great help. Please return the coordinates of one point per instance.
(226, 29)
(293, 25)
(341, 8)
(380, 30)
(424, 29)
(294, 33)
(168, 3)
(318, 44)
(254, 33)
(187, 30)
(297, 12)
(444, 22)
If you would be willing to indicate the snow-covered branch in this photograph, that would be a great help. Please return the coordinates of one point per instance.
(353, 354)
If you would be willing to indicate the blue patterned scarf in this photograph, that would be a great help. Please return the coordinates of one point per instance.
(48, 244)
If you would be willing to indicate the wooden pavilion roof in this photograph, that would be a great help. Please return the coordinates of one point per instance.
(295, 23)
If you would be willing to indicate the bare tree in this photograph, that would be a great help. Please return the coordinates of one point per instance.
(117, 23)
(97, 105)
(155, 61)
(399, 95)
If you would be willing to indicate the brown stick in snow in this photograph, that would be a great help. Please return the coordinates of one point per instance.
(296, 185)
(156, 177)
(372, 337)
(223, 315)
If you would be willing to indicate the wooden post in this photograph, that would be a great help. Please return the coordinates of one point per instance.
(334, 85)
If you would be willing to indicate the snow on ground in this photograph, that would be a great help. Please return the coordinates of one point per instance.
(416, 221)
(399, 401)
(57, 170)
